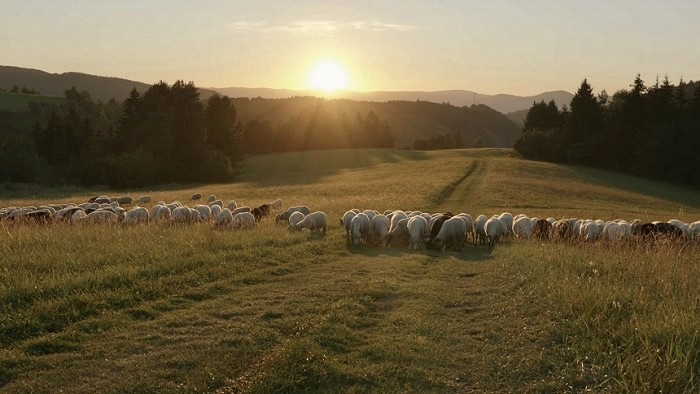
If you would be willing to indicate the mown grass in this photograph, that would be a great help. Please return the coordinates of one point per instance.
(191, 308)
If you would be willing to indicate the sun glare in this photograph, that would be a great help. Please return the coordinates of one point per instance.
(328, 76)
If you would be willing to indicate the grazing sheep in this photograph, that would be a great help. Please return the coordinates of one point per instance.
(98, 217)
(522, 227)
(183, 215)
(315, 221)
(451, 235)
(162, 213)
(238, 210)
(232, 205)
(295, 218)
(224, 217)
(204, 212)
(196, 197)
(216, 202)
(398, 233)
(345, 222)
(591, 230)
(396, 217)
(136, 215)
(370, 213)
(480, 229)
(243, 220)
(379, 229)
(125, 200)
(102, 200)
(277, 204)
(284, 216)
(77, 215)
(435, 225)
(541, 229)
(417, 228)
(215, 210)
(360, 228)
(507, 219)
(494, 230)
(261, 212)
(470, 225)
(66, 213)
(143, 199)
(212, 198)
(694, 230)
(562, 230)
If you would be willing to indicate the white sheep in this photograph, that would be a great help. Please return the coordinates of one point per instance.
(284, 216)
(451, 234)
(77, 215)
(522, 227)
(183, 215)
(100, 216)
(243, 220)
(161, 212)
(417, 228)
(225, 217)
(379, 228)
(345, 222)
(238, 210)
(136, 215)
(295, 218)
(370, 213)
(315, 221)
(204, 212)
(212, 198)
(507, 219)
(470, 225)
(216, 202)
(494, 230)
(144, 199)
(232, 206)
(360, 228)
(480, 229)
(215, 210)
(398, 233)
(694, 230)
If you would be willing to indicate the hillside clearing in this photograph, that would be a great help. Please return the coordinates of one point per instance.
(191, 308)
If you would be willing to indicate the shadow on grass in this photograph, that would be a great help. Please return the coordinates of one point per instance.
(647, 187)
(299, 168)
(468, 253)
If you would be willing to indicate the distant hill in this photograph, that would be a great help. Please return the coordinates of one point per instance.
(501, 102)
(409, 120)
(100, 88)
(518, 117)
(18, 102)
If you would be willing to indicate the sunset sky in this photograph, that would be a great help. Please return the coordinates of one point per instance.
(516, 47)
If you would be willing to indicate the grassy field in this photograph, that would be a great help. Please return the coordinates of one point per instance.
(195, 309)
(18, 102)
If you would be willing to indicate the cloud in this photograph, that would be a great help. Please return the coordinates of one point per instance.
(316, 28)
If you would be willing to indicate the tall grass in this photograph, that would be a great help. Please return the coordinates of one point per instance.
(186, 308)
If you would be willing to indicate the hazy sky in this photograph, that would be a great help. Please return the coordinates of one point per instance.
(517, 47)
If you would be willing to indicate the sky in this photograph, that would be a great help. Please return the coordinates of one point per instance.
(490, 47)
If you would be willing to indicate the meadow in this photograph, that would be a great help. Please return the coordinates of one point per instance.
(191, 308)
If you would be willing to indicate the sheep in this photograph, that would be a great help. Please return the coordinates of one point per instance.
(243, 220)
(315, 221)
(277, 204)
(66, 213)
(591, 230)
(183, 215)
(470, 225)
(161, 212)
(479, 229)
(396, 217)
(541, 229)
(435, 225)
(125, 200)
(102, 200)
(494, 230)
(370, 213)
(99, 216)
(284, 216)
(562, 229)
(379, 228)
(452, 234)
(215, 210)
(136, 215)
(216, 202)
(522, 227)
(507, 219)
(211, 198)
(360, 228)
(398, 234)
(236, 211)
(345, 222)
(204, 212)
(42, 216)
(694, 230)
(261, 212)
(232, 205)
(196, 197)
(417, 228)
(77, 215)
(144, 199)
(224, 217)
(295, 218)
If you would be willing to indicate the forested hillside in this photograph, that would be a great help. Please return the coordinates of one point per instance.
(651, 131)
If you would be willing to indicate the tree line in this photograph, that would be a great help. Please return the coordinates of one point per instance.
(651, 131)
(165, 134)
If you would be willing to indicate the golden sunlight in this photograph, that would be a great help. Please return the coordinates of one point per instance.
(328, 76)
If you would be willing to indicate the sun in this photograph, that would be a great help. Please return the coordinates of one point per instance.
(328, 76)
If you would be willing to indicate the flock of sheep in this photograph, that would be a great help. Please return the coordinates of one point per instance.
(414, 229)
(417, 229)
